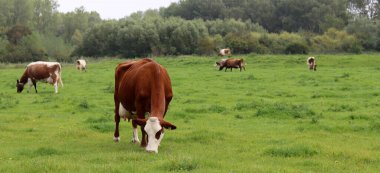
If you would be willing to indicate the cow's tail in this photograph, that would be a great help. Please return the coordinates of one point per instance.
(60, 81)
(60, 76)
(242, 62)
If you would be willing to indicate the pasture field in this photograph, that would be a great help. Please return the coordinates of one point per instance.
(277, 116)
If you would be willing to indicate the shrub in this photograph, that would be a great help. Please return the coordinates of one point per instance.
(206, 46)
(336, 41)
(296, 48)
(28, 49)
(84, 104)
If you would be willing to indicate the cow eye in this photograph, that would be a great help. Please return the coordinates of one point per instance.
(158, 134)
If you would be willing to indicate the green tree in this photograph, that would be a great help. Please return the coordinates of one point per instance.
(22, 12)
(365, 8)
(45, 15)
(17, 33)
(367, 32)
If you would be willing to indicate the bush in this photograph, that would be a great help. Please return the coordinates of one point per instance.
(241, 43)
(296, 48)
(206, 46)
(28, 49)
(336, 41)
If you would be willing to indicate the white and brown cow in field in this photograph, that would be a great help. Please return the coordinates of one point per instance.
(143, 87)
(49, 72)
(231, 63)
(81, 65)
(225, 52)
(311, 62)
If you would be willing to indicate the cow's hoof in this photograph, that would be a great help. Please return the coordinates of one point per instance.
(151, 151)
(135, 141)
(116, 139)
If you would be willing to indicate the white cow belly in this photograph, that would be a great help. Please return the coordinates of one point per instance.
(122, 111)
(49, 80)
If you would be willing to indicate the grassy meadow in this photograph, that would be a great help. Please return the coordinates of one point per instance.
(277, 116)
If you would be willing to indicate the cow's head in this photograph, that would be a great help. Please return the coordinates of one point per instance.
(221, 64)
(154, 128)
(19, 86)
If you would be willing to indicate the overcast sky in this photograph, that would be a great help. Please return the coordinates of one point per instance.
(113, 9)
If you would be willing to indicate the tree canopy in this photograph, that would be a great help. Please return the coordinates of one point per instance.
(35, 29)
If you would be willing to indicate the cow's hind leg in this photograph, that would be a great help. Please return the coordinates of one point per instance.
(116, 136)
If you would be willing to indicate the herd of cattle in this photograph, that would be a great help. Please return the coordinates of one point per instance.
(142, 87)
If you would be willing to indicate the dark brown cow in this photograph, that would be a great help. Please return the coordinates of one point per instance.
(311, 63)
(224, 52)
(231, 63)
(49, 72)
(143, 86)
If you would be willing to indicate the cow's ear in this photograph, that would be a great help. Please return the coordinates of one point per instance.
(140, 122)
(168, 125)
(18, 81)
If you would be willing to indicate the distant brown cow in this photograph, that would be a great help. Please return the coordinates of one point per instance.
(231, 63)
(49, 72)
(312, 63)
(224, 52)
(143, 87)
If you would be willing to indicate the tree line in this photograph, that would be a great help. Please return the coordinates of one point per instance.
(34, 29)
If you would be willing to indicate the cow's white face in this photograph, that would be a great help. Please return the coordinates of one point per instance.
(155, 134)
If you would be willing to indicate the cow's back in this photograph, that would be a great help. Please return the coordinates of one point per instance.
(136, 80)
(43, 70)
(233, 62)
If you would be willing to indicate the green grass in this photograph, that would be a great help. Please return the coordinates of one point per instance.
(277, 116)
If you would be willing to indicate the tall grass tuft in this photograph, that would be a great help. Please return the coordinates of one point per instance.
(42, 151)
(84, 104)
(101, 124)
(7, 101)
(284, 110)
(295, 151)
(341, 108)
(181, 164)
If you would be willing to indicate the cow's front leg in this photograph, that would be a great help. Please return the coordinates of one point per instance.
(144, 137)
(135, 137)
(35, 85)
(30, 83)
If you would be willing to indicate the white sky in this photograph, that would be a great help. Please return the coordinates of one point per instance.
(113, 9)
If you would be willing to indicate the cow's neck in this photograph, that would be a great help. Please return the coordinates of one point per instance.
(24, 77)
(158, 96)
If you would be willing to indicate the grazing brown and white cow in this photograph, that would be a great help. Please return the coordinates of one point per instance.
(49, 72)
(224, 52)
(143, 86)
(231, 63)
(81, 65)
(312, 63)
